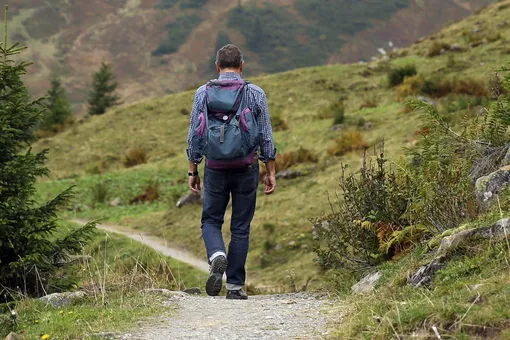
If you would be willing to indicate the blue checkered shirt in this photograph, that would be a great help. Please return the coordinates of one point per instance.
(257, 102)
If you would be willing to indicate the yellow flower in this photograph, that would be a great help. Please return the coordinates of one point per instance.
(61, 312)
(71, 312)
(36, 321)
(45, 336)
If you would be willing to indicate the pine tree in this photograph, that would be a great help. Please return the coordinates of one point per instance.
(102, 95)
(29, 250)
(58, 107)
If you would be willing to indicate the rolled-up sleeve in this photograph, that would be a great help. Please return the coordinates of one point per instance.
(267, 145)
(193, 155)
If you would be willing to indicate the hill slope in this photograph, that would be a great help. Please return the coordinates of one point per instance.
(164, 46)
(297, 97)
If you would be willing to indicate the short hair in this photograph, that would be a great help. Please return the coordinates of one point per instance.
(229, 56)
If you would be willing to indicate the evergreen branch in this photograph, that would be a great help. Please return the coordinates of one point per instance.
(5, 34)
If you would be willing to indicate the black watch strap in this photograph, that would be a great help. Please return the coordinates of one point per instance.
(192, 174)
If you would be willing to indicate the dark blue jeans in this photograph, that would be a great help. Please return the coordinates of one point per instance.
(218, 186)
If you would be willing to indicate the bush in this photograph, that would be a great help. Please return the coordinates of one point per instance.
(288, 159)
(371, 208)
(335, 110)
(437, 48)
(411, 87)
(369, 102)
(349, 141)
(397, 76)
(135, 156)
(479, 36)
(99, 192)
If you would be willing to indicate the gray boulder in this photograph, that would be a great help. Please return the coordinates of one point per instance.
(423, 277)
(489, 186)
(189, 199)
(58, 300)
(289, 174)
(366, 284)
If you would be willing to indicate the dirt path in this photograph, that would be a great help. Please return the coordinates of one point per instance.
(155, 243)
(261, 317)
(286, 316)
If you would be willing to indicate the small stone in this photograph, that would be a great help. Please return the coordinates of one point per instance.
(193, 291)
(13, 336)
(456, 48)
(116, 202)
(164, 292)
(189, 199)
(58, 300)
(337, 127)
(289, 174)
(366, 284)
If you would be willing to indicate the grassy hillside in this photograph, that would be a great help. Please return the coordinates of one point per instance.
(158, 46)
(91, 155)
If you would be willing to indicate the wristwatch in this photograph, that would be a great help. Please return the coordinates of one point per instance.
(192, 174)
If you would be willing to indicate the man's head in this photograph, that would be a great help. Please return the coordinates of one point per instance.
(229, 59)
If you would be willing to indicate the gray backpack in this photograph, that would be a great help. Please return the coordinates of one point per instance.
(226, 131)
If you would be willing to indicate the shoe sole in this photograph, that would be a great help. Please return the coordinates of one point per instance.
(215, 281)
(235, 297)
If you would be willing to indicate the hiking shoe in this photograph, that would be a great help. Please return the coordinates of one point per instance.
(215, 281)
(237, 295)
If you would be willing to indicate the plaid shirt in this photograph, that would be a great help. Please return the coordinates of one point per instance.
(257, 103)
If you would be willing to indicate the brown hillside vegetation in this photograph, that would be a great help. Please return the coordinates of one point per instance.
(71, 39)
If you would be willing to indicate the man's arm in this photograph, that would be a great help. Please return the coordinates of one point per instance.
(194, 156)
(267, 146)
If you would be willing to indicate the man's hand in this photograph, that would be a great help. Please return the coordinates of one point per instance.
(270, 182)
(194, 184)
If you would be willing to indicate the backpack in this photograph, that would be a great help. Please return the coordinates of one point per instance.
(226, 130)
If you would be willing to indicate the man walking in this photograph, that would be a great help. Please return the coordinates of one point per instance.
(231, 128)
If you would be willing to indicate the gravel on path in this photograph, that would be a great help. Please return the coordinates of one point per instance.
(284, 316)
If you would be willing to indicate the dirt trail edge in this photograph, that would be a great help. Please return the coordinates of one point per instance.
(155, 243)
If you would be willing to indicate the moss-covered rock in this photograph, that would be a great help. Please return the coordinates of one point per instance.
(489, 186)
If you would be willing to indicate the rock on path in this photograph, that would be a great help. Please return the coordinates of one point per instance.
(286, 316)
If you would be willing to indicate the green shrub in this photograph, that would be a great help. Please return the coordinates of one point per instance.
(347, 142)
(135, 156)
(335, 110)
(396, 76)
(372, 206)
(437, 48)
(99, 192)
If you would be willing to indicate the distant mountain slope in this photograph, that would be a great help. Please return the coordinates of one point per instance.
(165, 46)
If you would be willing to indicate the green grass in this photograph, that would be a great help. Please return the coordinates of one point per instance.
(113, 278)
(158, 126)
(468, 299)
